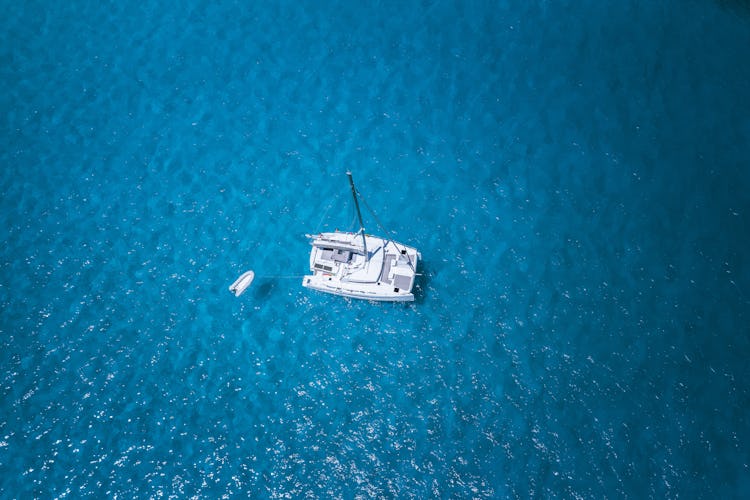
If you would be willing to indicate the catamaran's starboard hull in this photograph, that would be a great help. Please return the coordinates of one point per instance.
(355, 294)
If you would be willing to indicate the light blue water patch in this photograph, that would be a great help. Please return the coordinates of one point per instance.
(575, 177)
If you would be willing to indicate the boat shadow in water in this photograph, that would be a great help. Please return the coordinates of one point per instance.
(422, 283)
(263, 288)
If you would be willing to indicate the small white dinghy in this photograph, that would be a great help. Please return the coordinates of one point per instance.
(241, 284)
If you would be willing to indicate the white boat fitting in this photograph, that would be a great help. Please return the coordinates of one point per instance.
(240, 284)
(362, 266)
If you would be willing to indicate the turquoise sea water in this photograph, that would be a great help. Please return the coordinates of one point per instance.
(575, 175)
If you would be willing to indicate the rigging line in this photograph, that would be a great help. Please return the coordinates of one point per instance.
(326, 213)
(381, 226)
(282, 277)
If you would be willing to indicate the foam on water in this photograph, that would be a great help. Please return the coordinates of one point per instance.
(574, 176)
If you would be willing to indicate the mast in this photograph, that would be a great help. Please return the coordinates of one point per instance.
(359, 214)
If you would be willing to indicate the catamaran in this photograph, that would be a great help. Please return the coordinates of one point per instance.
(360, 265)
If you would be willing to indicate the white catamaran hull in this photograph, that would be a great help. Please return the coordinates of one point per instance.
(358, 294)
(339, 267)
(362, 266)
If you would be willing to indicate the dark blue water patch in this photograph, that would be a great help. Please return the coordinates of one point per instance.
(574, 177)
